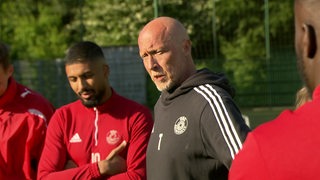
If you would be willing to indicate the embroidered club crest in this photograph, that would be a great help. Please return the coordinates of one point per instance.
(113, 137)
(181, 125)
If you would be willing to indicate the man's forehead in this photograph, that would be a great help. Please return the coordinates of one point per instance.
(153, 45)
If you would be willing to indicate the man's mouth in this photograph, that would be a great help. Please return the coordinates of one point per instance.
(86, 94)
(159, 77)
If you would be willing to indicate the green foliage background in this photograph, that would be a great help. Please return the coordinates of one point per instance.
(227, 35)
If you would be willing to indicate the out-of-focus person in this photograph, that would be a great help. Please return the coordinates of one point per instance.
(288, 147)
(24, 115)
(302, 96)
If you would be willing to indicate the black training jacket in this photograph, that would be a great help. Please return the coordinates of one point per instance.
(197, 132)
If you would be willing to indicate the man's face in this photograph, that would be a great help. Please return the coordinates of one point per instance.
(5, 74)
(162, 59)
(88, 81)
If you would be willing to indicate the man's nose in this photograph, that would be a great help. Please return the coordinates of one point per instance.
(152, 63)
(82, 84)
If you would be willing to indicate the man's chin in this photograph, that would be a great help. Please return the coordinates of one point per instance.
(90, 103)
(164, 87)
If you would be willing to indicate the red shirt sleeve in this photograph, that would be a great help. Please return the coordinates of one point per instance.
(249, 163)
(54, 157)
(136, 160)
(37, 134)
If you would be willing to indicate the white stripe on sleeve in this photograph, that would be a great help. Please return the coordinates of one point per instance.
(219, 110)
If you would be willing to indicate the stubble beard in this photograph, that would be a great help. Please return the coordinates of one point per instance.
(90, 103)
(94, 101)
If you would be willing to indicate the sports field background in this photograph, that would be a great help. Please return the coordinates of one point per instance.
(260, 115)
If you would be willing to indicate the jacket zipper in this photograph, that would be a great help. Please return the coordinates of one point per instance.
(96, 126)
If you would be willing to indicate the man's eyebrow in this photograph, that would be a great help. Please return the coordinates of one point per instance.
(152, 51)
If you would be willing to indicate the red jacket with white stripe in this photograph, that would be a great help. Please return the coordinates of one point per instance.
(23, 120)
(87, 135)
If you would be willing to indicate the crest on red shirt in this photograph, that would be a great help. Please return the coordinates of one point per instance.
(113, 137)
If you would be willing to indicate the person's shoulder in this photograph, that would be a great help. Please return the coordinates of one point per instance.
(68, 112)
(211, 93)
(33, 102)
(275, 126)
(136, 109)
(129, 103)
(72, 106)
(40, 101)
(31, 95)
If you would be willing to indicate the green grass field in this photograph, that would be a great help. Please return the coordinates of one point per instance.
(259, 115)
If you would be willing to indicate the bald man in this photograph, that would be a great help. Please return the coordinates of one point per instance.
(288, 147)
(198, 128)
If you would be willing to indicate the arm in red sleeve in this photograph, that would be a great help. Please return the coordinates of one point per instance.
(35, 142)
(54, 157)
(137, 147)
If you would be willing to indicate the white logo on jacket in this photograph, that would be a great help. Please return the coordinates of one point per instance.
(181, 125)
(25, 93)
(113, 137)
(75, 139)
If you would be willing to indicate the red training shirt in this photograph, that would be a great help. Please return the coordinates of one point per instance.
(87, 135)
(23, 120)
(283, 149)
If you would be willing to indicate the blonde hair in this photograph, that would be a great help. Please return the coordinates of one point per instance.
(302, 97)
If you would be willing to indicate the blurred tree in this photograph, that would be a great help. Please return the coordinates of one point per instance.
(113, 22)
(44, 29)
(241, 30)
(197, 16)
(36, 29)
(242, 41)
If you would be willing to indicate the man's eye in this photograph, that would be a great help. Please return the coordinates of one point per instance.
(72, 79)
(88, 76)
(144, 57)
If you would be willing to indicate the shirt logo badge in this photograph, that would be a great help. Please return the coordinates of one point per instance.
(75, 138)
(113, 137)
(180, 125)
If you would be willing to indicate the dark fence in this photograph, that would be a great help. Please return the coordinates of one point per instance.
(127, 76)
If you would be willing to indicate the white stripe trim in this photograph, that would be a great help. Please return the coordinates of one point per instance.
(222, 117)
(96, 126)
(218, 117)
(228, 118)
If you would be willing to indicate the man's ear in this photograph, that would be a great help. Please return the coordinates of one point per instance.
(10, 70)
(106, 70)
(309, 41)
(187, 46)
